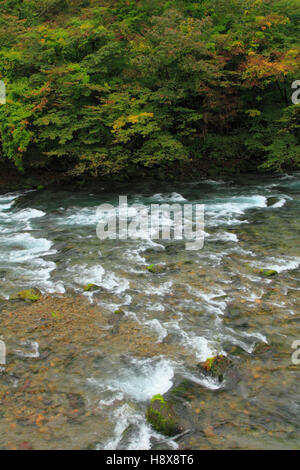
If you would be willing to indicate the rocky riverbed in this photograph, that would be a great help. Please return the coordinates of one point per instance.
(104, 336)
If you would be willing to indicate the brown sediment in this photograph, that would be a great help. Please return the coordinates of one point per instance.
(43, 400)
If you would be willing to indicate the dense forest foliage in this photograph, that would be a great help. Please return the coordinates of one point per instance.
(120, 88)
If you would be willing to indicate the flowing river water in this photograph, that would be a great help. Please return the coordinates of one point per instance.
(200, 304)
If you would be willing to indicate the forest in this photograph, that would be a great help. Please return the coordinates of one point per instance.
(126, 88)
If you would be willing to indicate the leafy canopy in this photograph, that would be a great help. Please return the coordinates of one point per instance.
(118, 87)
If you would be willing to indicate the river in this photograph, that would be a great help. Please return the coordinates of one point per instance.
(201, 303)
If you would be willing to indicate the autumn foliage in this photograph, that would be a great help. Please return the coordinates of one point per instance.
(121, 88)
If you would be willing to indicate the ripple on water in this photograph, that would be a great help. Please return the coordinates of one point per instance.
(184, 306)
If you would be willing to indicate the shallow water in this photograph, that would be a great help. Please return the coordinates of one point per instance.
(203, 302)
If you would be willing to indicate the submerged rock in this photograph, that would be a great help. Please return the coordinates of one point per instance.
(116, 321)
(156, 268)
(30, 294)
(128, 436)
(162, 417)
(183, 391)
(175, 247)
(262, 349)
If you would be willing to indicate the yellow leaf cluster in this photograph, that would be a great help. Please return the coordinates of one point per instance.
(133, 119)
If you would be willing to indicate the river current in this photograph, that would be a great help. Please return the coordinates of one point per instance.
(200, 304)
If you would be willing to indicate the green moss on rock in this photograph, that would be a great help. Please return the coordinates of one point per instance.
(268, 272)
(119, 312)
(161, 416)
(90, 287)
(30, 294)
(155, 268)
(183, 391)
(261, 348)
(151, 268)
(215, 366)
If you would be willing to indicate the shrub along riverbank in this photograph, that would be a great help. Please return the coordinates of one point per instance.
(120, 89)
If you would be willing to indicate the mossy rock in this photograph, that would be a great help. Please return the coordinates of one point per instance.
(215, 366)
(261, 348)
(116, 321)
(272, 200)
(234, 350)
(173, 248)
(2, 302)
(183, 391)
(268, 272)
(92, 446)
(30, 294)
(153, 251)
(158, 268)
(161, 416)
(233, 312)
(119, 311)
(151, 268)
(90, 287)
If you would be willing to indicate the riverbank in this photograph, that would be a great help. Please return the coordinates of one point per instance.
(13, 180)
